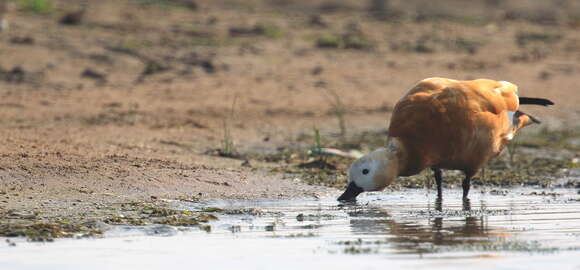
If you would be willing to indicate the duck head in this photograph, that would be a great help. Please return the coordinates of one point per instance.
(373, 172)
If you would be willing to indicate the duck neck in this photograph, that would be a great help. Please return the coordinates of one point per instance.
(398, 152)
(393, 157)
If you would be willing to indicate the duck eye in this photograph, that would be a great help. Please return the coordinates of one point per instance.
(365, 171)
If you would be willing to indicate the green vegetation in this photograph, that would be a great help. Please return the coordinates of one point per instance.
(512, 168)
(328, 41)
(139, 214)
(467, 45)
(129, 46)
(471, 20)
(512, 149)
(227, 147)
(169, 3)
(44, 231)
(264, 29)
(317, 148)
(269, 30)
(153, 67)
(227, 143)
(207, 41)
(317, 143)
(38, 229)
(338, 109)
(562, 139)
(36, 6)
(356, 41)
(523, 39)
(432, 44)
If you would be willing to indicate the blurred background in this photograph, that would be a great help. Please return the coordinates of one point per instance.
(163, 77)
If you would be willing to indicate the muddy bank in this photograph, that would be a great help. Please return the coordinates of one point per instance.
(82, 195)
(53, 203)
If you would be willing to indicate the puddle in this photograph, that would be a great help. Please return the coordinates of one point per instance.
(517, 229)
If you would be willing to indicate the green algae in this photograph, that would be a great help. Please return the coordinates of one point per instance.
(132, 214)
(45, 231)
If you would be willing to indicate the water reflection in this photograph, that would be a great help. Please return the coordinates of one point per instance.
(412, 235)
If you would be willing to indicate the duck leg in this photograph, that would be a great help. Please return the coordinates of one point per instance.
(438, 221)
(466, 184)
(466, 204)
(438, 181)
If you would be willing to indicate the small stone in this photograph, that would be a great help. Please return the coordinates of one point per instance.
(300, 217)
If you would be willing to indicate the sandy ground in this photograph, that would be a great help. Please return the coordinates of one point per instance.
(131, 102)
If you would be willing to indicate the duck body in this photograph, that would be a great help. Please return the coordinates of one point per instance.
(456, 125)
(444, 124)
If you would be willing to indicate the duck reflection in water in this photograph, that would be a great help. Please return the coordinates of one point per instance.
(422, 231)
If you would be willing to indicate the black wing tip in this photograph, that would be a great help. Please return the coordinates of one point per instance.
(548, 102)
(534, 120)
(536, 101)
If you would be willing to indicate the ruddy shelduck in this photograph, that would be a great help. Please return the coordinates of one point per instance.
(443, 124)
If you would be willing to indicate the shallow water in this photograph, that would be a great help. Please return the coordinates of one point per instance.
(516, 230)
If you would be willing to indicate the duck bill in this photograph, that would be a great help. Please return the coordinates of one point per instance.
(352, 190)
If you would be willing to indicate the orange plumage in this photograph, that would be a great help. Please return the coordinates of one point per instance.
(445, 124)
(454, 124)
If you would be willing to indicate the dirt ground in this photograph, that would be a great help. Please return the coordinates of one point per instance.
(136, 100)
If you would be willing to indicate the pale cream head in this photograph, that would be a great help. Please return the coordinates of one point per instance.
(373, 172)
(365, 170)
